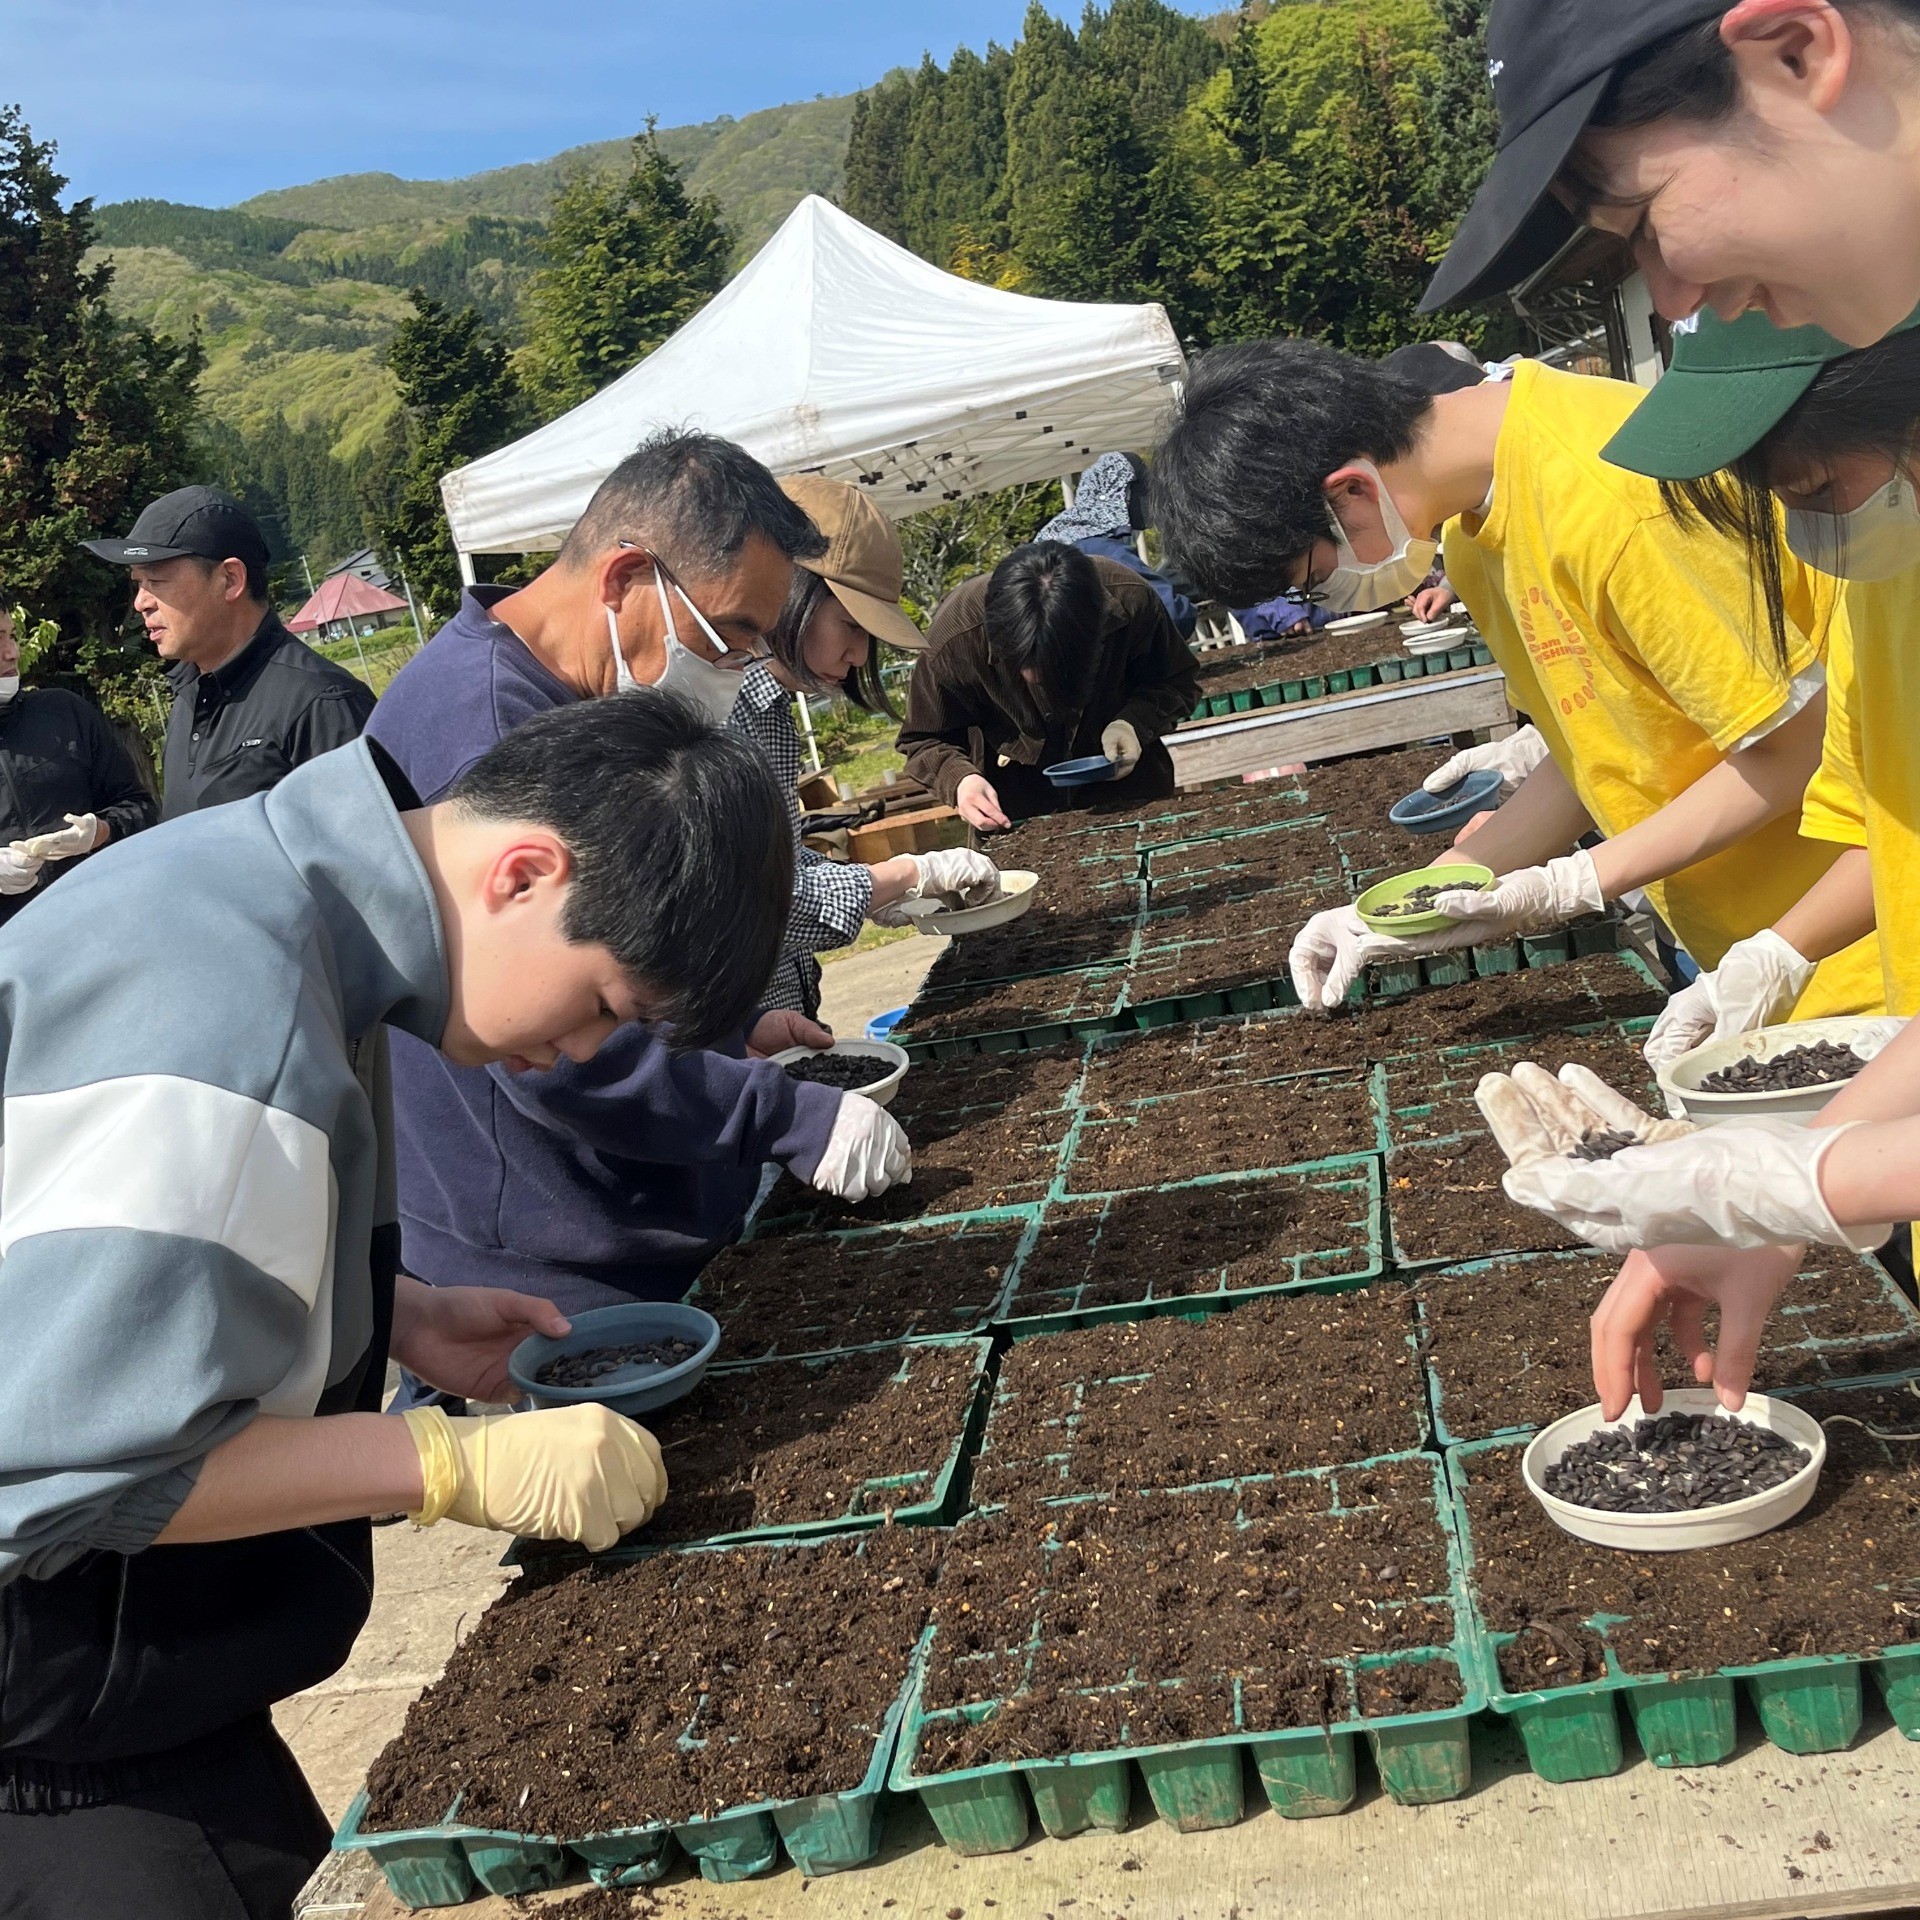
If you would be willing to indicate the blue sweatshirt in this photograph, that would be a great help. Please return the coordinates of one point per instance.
(586, 1184)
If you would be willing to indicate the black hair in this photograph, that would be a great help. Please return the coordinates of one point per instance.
(682, 848)
(1238, 482)
(1864, 402)
(257, 589)
(863, 685)
(1045, 609)
(1139, 493)
(697, 500)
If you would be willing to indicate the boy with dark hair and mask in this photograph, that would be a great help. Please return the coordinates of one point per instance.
(1672, 726)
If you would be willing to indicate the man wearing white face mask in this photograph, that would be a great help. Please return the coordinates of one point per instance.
(589, 1185)
(67, 785)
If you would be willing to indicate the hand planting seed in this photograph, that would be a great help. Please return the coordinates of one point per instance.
(1672, 1464)
(1822, 1064)
(590, 1368)
(847, 1071)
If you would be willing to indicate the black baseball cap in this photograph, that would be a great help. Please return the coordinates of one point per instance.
(1550, 61)
(197, 520)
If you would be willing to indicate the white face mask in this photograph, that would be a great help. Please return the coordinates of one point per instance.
(1355, 587)
(712, 689)
(9, 688)
(1877, 540)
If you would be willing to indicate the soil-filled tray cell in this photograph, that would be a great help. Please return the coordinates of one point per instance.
(1204, 813)
(590, 1716)
(1507, 1349)
(1062, 1001)
(1119, 1257)
(1210, 969)
(1140, 1066)
(1195, 910)
(1172, 1630)
(1429, 1096)
(1275, 1385)
(798, 1294)
(1034, 1080)
(1566, 1626)
(1266, 857)
(1361, 790)
(1237, 1129)
(1062, 932)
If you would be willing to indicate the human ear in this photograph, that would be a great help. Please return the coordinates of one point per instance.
(531, 862)
(1801, 47)
(621, 572)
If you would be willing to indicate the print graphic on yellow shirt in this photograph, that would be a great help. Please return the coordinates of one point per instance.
(1625, 636)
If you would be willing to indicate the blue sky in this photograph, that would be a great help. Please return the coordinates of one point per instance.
(209, 101)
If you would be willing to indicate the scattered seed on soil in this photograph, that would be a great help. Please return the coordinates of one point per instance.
(1823, 1064)
(1673, 1463)
(1601, 1143)
(847, 1071)
(589, 1369)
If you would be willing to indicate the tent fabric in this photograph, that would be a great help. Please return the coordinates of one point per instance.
(343, 596)
(835, 351)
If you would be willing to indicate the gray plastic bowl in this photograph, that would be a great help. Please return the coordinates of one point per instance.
(633, 1390)
(1451, 808)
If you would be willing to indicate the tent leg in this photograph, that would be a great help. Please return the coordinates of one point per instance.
(1066, 489)
(806, 727)
(467, 575)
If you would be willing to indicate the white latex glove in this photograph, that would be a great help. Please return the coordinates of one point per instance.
(867, 1152)
(76, 837)
(19, 871)
(1336, 946)
(1531, 900)
(1756, 983)
(1746, 1183)
(1512, 758)
(948, 874)
(1121, 745)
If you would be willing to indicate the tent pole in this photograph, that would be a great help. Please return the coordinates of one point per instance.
(467, 575)
(806, 727)
(1066, 490)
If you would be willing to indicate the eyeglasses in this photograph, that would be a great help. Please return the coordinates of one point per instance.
(734, 657)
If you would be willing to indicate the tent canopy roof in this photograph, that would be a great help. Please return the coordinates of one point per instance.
(836, 351)
(343, 596)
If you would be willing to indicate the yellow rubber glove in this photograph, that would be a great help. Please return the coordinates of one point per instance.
(563, 1473)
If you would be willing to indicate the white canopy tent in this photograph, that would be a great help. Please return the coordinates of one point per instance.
(835, 351)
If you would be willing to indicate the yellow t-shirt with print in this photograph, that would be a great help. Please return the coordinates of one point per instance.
(1624, 635)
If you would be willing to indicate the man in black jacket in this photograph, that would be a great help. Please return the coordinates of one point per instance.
(250, 702)
(67, 785)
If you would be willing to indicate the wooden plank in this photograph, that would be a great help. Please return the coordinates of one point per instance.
(1349, 723)
(1708, 1843)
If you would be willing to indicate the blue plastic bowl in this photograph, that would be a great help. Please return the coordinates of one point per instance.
(1450, 809)
(1080, 773)
(881, 1026)
(641, 1388)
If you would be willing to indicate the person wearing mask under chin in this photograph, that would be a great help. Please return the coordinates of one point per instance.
(590, 1185)
(67, 785)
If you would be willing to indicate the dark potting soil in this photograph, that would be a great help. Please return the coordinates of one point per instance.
(1200, 912)
(1822, 1064)
(1673, 1463)
(1224, 1130)
(1263, 664)
(1266, 859)
(797, 1441)
(1041, 1001)
(1508, 1344)
(1169, 1403)
(848, 1071)
(1218, 966)
(1192, 1240)
(1266, 1583)
(806, 1293)
(1065, 935)
(1838, 1579)
(1202, 1053)
(1508, 1006)
(590, 1368)
(1447, 1203)
(1430, 1096)
(1360, 791)
(564, 1711)
(1034, 1080)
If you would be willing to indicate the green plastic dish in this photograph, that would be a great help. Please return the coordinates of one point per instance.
(1388, 892)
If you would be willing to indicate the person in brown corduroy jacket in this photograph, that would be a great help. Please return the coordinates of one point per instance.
(1054, 656)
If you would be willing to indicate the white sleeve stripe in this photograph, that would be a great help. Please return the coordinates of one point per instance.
(161, 1154)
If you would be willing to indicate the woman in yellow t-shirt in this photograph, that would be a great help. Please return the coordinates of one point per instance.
(1627, 636)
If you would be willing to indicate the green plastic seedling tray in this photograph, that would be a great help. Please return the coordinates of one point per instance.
(1320, 686)
(451, 1862)
(1123, 953)
(1359, 1179)
(1108, 985)
(1858, 1346)
(1305, 1772)
(1805, 1706)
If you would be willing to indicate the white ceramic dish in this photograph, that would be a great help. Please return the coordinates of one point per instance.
(882, 1091)
(1702, 1526)
(1680, 1082)
(1358, 623)
(1018, 891)
(1424, 629)
(1436, 642)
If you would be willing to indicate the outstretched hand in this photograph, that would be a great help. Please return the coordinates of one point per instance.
(460, 1338)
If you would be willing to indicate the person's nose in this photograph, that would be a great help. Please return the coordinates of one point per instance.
(584, 1042)
(1673, 297)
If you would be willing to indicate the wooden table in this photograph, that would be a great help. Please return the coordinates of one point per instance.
(1388, 716)
(1764, 1837)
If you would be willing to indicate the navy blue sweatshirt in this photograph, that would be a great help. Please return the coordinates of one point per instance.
(585, 1184)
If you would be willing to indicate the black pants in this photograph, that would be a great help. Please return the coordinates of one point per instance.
(231, 1831)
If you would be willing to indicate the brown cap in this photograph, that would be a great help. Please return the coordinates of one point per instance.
(862, 565)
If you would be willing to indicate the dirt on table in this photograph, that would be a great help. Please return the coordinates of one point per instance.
(1274, 1584)
(664, 1689)
(1067, 927)
(809, 1293)
(1173, 1402)
(1232, 1238)
(1843, 1577)
(1224, 1130)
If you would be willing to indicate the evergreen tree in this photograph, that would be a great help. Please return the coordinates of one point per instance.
(1464, 128)
(629, 260)
(873, 190)
(1154, 55)
(96, 413)
(457, 383)
(955, 155)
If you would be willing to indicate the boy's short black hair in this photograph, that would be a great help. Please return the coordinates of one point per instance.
(682, 849)
(1237, 483)
(1045, 609)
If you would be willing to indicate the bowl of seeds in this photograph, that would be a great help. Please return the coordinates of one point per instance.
(633, 1358)
(1787, 1072)
(1691, 1475)
(872, 1067)
(1404, 904)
